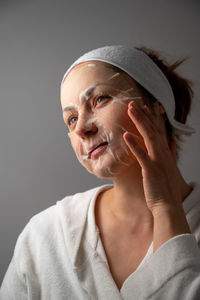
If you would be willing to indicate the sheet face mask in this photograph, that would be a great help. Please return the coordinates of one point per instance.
(143, 70)
(111, 134)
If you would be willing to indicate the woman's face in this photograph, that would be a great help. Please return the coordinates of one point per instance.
(94, 100)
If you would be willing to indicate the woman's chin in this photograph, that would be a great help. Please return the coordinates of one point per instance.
(109, 166)
(104, 174)
(108, 169)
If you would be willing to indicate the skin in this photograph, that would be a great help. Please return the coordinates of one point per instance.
(83, 136)
(148, 187)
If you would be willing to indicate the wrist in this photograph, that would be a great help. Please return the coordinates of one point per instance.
(168, 222)
(168, 210)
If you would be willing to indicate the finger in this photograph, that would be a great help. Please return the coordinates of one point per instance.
(152, 117)
(143, 124)
(148, 112)
(140, 153)
(140, 113)
(136, 104)
(147, 127)
(155, 117)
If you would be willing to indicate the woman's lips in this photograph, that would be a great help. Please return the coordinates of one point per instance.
(98, 150)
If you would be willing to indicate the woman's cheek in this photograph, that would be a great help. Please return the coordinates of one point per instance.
(74, 145)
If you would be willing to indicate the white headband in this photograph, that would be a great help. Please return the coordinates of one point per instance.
(140, 67)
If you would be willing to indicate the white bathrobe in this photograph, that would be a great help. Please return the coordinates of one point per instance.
(59, 256)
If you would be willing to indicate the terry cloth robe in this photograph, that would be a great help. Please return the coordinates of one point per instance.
(59, 255)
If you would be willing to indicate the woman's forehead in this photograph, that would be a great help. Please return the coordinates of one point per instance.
(91, 69)
(90, 73)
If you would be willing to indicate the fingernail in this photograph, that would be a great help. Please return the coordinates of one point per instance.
(130, 138)
(134, 108)
(146, 108)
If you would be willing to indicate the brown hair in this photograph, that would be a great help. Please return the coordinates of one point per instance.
(182, 90)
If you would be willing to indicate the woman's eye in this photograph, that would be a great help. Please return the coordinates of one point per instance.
(101, 98)
(72, 120)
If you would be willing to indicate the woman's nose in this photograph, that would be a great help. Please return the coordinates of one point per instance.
(85, 127)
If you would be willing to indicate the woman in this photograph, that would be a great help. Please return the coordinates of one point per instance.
(137, 238)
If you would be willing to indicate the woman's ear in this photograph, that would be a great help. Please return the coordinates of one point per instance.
(161, 109)
(172, 147)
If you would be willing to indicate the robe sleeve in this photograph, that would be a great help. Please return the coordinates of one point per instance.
(16, 283)
(172, 272)
(13, 286)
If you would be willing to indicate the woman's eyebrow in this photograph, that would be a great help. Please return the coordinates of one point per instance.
(69, 108)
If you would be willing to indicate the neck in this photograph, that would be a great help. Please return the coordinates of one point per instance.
(127, 202)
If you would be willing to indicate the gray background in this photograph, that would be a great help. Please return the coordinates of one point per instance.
(38, 40)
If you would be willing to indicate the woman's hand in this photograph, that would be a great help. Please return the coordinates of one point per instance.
(159, 171)
(158, 160)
